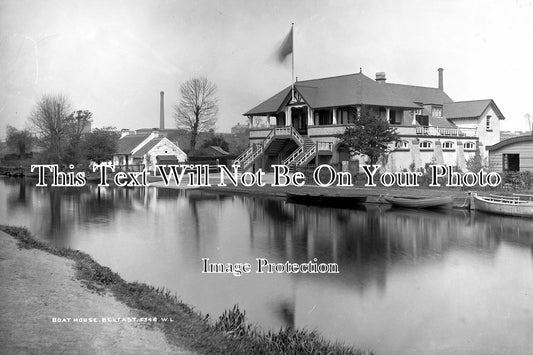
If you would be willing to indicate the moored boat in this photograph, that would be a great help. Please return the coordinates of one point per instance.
(514, 205)
(419, 201)
(340, 201)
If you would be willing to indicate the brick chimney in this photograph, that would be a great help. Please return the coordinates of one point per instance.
(380, 77)
(162, 111)
(441, 79)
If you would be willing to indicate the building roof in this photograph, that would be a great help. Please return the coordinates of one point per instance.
(219, 149)
(420, 94)
(469, 109)
(179, 137)
(510, 141)
(441, 122)
(271, 105)
(210, 152)
(127, 143)
(353, 89)
(146, 148)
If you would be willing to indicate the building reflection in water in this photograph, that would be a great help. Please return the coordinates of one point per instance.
(366, 243)
(374, 246)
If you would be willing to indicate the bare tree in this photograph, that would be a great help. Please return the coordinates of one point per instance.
(198, 106)
(51, 122)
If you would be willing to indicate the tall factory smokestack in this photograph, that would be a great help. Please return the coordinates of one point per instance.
(162, 111)
(441, 80)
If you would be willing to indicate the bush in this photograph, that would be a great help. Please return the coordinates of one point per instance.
(518, 179)
(233, 323)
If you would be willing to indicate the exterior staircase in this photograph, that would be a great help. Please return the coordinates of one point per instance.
(302, 155)
(246, 159)
(273, 144)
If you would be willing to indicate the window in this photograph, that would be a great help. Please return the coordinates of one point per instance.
(422, 120)
(323, 117)
(436, 111)
(469, 146)
(345, 115)
(488, 123)
(402, 145)
(447, 145)
(395, 117)
(511, 162)
(417, 112)
(426, 145)
(280, 119)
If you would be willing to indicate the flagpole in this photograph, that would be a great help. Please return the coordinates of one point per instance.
(292, 56)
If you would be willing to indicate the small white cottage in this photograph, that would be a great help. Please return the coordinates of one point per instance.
(144, 151)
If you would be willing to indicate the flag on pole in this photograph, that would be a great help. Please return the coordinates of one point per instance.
(286, 47)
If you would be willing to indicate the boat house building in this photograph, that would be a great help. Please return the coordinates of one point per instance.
(302, 129)
(513, 154)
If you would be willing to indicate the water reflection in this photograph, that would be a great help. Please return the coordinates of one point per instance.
(408, 279)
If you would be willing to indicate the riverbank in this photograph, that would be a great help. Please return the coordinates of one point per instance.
(41, 282)
(38, 288)
(374, 194)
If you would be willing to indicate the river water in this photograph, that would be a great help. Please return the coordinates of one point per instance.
(410, 282)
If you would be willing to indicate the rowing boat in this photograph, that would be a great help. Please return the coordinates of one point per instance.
(514, 205)
(419, 201)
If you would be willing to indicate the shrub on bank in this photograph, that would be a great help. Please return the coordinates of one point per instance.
(517, 179)
(285, 341)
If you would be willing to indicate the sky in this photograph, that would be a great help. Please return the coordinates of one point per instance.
(114, 57)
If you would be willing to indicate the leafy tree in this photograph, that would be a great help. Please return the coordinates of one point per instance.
(197, 107)
(475, 163)
(19, 140)
(79, 121)
(369, 135)
(216, 140)
(100, 145)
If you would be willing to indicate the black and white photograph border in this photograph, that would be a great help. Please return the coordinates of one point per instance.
(266, 177)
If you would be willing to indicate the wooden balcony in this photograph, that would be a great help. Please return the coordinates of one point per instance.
(335, 130)
(446, 131)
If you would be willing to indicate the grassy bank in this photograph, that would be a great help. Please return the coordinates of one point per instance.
(229, 334)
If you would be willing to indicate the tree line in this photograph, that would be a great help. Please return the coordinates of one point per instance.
(64, 136)
(62, 132)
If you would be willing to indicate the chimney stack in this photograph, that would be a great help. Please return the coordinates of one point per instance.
(162, 111)
(380, 77)
(441, 79)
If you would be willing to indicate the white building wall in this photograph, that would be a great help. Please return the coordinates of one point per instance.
(486, 137)
(164, 147)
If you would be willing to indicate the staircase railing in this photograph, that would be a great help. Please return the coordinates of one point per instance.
(248, 161)
(291, 158)
(297, 136)
(306, 156)
(283, 131)
(269, 138)
(249, 155)
(244, 155)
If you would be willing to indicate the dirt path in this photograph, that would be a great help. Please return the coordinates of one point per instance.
(36, 287)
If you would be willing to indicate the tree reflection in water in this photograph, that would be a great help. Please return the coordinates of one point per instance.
(380, 251)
